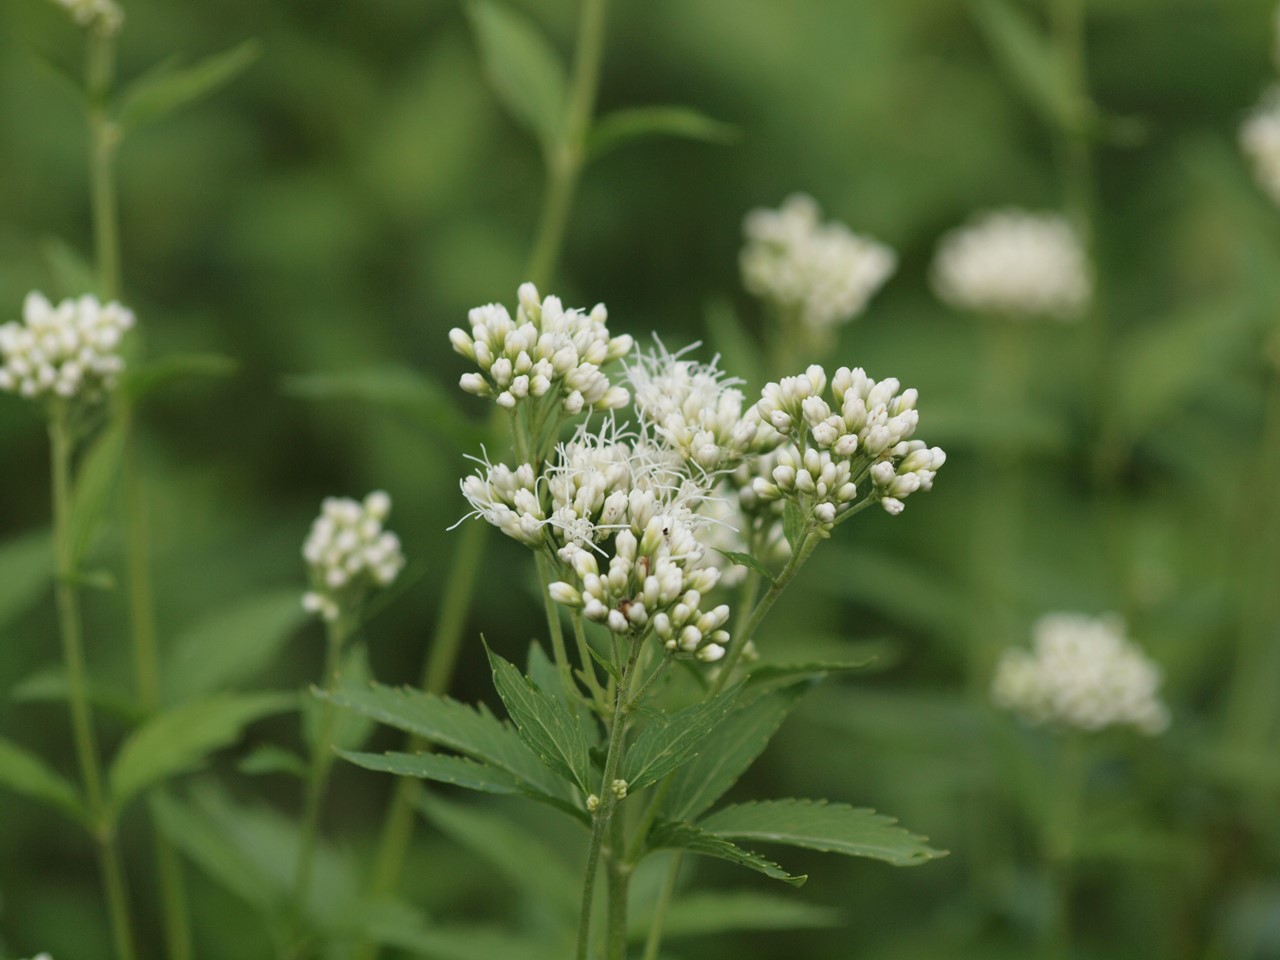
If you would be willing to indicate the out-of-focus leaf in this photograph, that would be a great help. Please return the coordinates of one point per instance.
(169, 87)
(396, 388)
(142, 381)
(510, 849)
(523, 69)
(349, 729)
(447, 723)
(49, 684)
(179, 740)
(270, 758)
(818, 825)
(729, 750)
(26, 570)
(1030, 61)
(667, 744)
(686, 836)
(25, 773)
(776, 671)
(739, 351)
(623, 126)
(546, 724)
(67, 79)
(793, 523)
(440, 767)
(95, 481)
(72, 274)
(696, 914)
(231, 646)
(396, 925)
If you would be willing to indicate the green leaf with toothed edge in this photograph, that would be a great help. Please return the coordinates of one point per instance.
(544, 722)
(687, 836)
(440, 767)
(667, 744)
(819, 825)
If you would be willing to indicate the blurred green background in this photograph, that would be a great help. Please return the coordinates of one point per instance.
(342, 204)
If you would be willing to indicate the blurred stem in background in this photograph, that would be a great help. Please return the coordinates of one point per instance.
(101, 821)
(1059, 841)
(564, 168)
(104, 137)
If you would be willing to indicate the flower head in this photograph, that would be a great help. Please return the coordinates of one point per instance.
(1260, 141)
(68, 350)
(821, 273)
(1081, 672)
(840, 438)
(348, 554)
(1016, 264)
(696, 410)
(546, 350)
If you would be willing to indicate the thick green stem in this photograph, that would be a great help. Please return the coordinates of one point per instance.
(317, 779)
(564, 161)
(86, 741)
(607, 800)
(618, 884)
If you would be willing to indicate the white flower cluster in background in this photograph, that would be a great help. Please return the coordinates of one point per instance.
(1081, 672)
(863, 432)
(546, 350)
(1014, 263)
(1260, 141)
(104, 15)
(823, 274)
(348, 553)
(68, 350)
(697, 410)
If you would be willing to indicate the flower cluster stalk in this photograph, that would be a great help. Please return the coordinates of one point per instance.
(86, 741)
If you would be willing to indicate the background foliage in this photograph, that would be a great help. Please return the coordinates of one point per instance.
(339, 207)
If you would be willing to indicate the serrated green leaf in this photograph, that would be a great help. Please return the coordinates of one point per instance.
(701, 913)
(665, 746)
(95, 481)
(142, 381)
(23, 772)
(270, 758)
(746, 560)
(232, 646)
(440, 767)
(26, 570)
(637, 123)
(179, 740)
(49, 684)
(1030, 60)
(819, 825)
(455, 726)
(169, 87)
(686, 836)
(523, 69)
(510, 849)
(729, 751)
(546, 724)
(396, 388)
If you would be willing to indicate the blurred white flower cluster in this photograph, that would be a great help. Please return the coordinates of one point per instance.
(862, 433)
(348, 553)
(1081, 672)
(822, 274)
(1260, 141)
(697, 410)
(104, 15)
(67, 350)
(1014, 263)
(546, 350)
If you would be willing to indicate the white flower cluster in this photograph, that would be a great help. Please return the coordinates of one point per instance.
(834, 446)
(104, 15)
(1081, 672)
(1014, 263)
(1260, 141)
(546, 350)
(697, 410)
(348, 552)
(823, 274)
(68, 350)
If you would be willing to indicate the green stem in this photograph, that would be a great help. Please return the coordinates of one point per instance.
(317, 778)
(607, 799)
(86, 741)
(588, 664)
(103, 138)
(1060, 842)
(618, 883)
(556, 628)
(564, 162)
